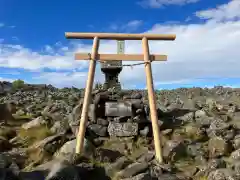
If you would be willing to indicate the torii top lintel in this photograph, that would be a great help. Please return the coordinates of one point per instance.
(120, 36)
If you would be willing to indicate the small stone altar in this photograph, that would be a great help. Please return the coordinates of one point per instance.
(111, 70)
(124, 116)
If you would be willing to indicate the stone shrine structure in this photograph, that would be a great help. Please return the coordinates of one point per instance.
(111, 70)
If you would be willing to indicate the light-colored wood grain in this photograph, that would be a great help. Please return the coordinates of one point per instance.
(87, 96)
(119, 57)
(152, 101)
(119, 36)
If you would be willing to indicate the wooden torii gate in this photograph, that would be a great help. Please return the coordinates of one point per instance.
(94, 56)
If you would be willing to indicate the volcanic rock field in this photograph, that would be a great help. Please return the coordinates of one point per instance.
(200, 135)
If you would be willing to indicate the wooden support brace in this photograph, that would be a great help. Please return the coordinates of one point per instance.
(152, 101)
(87, 96)
(120, 57)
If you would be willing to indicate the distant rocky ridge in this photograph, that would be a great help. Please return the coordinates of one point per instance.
(5, 86)
(200, 130)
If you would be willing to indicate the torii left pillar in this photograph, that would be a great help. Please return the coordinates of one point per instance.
(127, 57)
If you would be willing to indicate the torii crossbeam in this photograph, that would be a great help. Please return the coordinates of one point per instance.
(125, 57)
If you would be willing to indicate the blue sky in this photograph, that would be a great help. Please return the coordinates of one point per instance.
(205, 53)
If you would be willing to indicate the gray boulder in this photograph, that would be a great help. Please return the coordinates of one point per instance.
(122, 129)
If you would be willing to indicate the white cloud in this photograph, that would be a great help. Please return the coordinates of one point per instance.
(65, 48)
(230, 11)
(206, 50)
(114, 27)
(188, 19)
(133, 24)
(4, 25)
(6, 79)
(161, 3)
(69, 79)
(49, 49)
(127, 27)
(17, 56)
(58, 44)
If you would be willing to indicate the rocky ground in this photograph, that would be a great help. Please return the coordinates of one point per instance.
(199, 134)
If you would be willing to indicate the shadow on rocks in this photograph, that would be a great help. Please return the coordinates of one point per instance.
(106, 155)
(36, 175)
(173, 113)
(171, 119)
(63, 171)
(80, 173)
(96, 174)
(90, 134)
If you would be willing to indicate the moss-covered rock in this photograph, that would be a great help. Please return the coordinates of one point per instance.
(36, 157)
(32, 135)
(194, 132)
